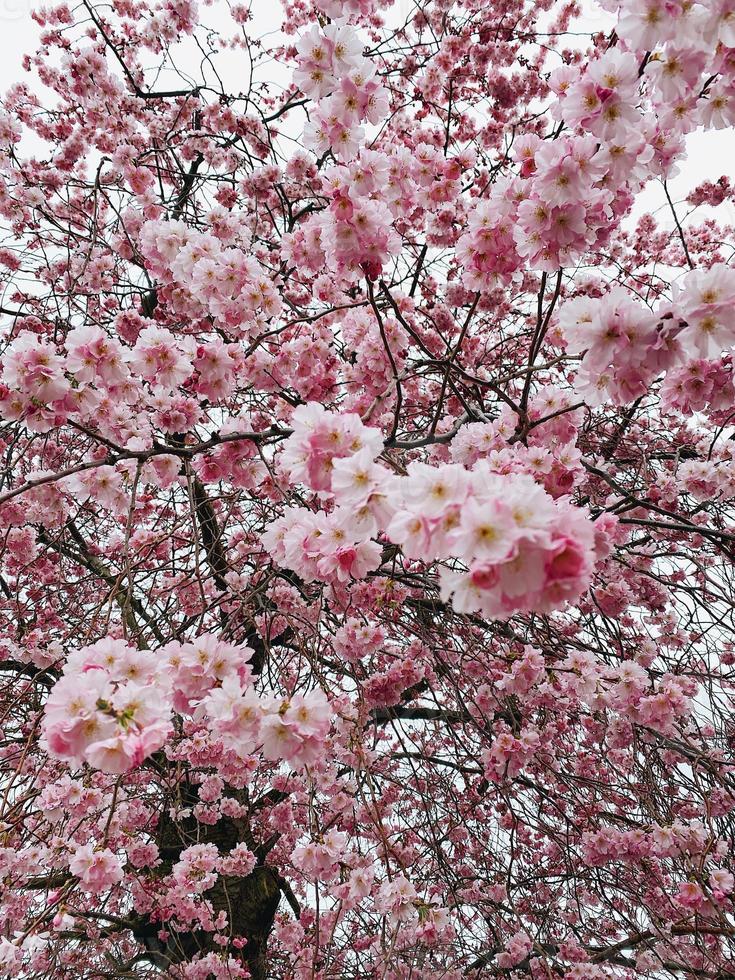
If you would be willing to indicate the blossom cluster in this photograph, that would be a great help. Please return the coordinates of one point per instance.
(699, 385)
(293, 729)
(667, 53)
(628, 691)
(506, 545)
(371, 198)
(355, 234)
(107, 709)
(210, 273)
(333, 71)
(319, 546)
(571, 191)
(320, 438)
(97, 869)
(113, 705)
(99, 378)
(626, 345)
(509, 754)
(603, 99)
(376, 353)
(564, 203)
(682, 839)
(344, 8)
(511, 547)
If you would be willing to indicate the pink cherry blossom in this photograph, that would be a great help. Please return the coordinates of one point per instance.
(367, 501)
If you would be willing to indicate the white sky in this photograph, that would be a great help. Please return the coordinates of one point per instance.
(16, 30)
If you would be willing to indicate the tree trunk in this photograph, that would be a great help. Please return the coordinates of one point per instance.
(250, 902)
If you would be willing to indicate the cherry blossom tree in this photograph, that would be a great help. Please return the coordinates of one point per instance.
(367, 505)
